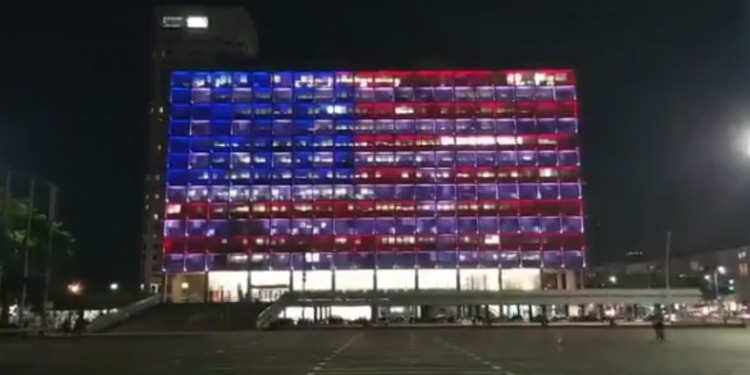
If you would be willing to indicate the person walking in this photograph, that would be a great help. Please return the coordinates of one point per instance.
(659, 328)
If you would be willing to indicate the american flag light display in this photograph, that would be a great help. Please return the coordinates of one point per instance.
(380, 170)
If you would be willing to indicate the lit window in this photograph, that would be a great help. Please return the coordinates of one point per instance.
(547, 172)
(174, 209)
(404, 110)
(312, 257)
(493, 239)
(337, 109)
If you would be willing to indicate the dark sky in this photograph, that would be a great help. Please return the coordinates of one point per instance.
(662, 90)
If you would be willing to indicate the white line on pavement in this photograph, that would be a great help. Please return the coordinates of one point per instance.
(475, 357)
(320, 365)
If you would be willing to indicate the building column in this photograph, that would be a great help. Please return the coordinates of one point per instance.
(206, 289)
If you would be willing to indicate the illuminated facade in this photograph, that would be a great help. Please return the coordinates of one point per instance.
(371, 180)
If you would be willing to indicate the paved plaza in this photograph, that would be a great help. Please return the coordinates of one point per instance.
(388, 351)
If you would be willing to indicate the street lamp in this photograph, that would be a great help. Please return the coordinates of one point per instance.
(75, 288)
(720, 270)
(114, 287)
(613, 279)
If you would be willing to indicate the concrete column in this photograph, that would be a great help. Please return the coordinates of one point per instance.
(570, 280)
(333, 279)
(206, 289)
(249, 296)
(291, 279)
(458, 278)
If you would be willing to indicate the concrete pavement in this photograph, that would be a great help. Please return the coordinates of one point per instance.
(370, 352)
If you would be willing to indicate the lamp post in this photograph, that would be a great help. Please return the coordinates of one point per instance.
(714, 279)
(52, 216)
(719, 270)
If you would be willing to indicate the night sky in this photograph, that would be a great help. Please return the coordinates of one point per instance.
(662, 92)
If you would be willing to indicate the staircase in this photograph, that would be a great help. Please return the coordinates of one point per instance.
(272, 311)
(187, 317)
(106, 322)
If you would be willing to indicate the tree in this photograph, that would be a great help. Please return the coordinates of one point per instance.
(13, 224)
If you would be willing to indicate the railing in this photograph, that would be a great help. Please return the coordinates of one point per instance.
(273, 310)
(452, 296)
(104, 322)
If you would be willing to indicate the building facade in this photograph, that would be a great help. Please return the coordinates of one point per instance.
(184, 38)
(387, 180)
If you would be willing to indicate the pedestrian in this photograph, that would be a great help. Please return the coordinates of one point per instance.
(66, 327)
(659, 327)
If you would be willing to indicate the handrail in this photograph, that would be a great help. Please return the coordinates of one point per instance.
(452, 296)
(104, 322)
(273, 310)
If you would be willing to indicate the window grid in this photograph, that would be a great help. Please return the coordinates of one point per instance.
(393, 164)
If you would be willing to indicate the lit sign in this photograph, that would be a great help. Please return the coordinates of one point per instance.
(172, 22)
(179, 22)
(197, 22)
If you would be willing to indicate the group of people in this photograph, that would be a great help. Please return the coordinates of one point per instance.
(76, 326)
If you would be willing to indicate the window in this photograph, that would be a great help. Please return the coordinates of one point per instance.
(424, 192)
(404, 94)
(565, 93)
(568, 158)
(466, 158)
(444, 126)
(364, 94)
(464, 94)
(425, 126)
(526, 158)
(423, 94)
(524, 126)
(508, 224)
(384, 127)
(507, 191)
(487, 191)
(445, 192)
(464, 126)
(444, 94)
(384, 94)
(484, 94)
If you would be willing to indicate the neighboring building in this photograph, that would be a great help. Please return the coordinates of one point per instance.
(724, 271)
(184, 38)
(347, 180)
